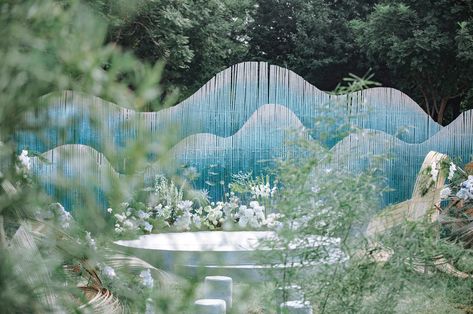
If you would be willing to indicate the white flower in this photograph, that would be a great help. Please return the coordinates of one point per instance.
(243, 221)
(253, 215)
(272, 221)
(183, 222)
(254, 204)
(24, 159)
(228, 208)
(261, 190)
(185, 205)
(258, 211)
(445, 193)
(451, 171)
(462, 194)
(259, 215)
(147, 226)
(466, 189)
(245, 211)
(109, 272)
(109, 210)
(254, 222)
(142, 215)
(128, 224)
(196, 220)
(164, 212)
(120, 217)
(214, 215)
(90, 241)
(64, 216)
(158, 209)
(147, 279)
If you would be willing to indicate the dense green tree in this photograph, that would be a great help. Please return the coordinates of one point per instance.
(325, 52)
(424, 44)
(312, 38)
(218, 39)
(465, 51)
(272, 30)
(421, 47)
(196, 39)
(153, 30)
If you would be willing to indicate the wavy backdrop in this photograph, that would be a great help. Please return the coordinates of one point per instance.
(254, 147)
(229, 125)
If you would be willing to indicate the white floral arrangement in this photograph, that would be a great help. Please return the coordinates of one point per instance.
(459, 186)
(167, 209)
(456, 210)
(446, 167)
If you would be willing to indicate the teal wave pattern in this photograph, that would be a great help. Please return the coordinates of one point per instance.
(222, 106)
(227, 126)
(254, 147)
(216, 158)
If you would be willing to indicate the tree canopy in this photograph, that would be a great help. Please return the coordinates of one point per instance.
(195, 38)
(422, 43)
(420, 47)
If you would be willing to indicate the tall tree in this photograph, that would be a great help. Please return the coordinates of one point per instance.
(272, 30)
(465, 52)
(217, 38)
(325, 51)
(195, 38)
(311, 37)
(421, 43)
(153, 30)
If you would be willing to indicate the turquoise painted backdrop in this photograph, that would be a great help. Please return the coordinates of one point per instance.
(239, 121)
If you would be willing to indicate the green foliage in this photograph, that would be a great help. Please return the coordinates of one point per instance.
(271, 30)
(332, 203)
(408, 268)
(420, 47)
(465, 49)
(313, 38)
(423, 44)
(196, 39)
(51, 46)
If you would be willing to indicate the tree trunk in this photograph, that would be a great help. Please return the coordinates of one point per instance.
(443, 105)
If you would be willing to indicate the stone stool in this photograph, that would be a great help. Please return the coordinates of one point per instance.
(296, 307)
(219, 287)
(210, 306)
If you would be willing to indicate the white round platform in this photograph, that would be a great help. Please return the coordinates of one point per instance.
(239, 254)
(217, 241)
